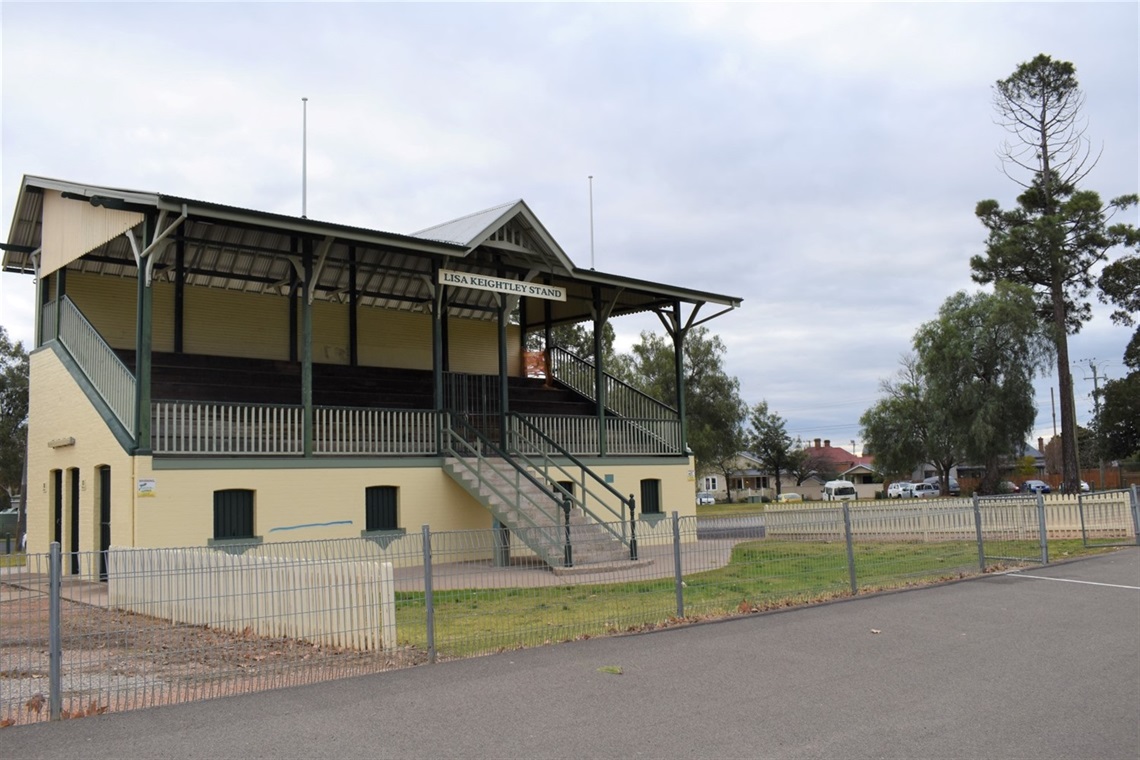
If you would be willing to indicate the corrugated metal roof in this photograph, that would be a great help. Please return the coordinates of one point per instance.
(467, 229)
(240, 249)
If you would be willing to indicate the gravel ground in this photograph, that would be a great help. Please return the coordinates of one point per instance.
(115, 660)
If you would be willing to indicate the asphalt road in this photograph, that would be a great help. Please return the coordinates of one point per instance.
(1042, 664)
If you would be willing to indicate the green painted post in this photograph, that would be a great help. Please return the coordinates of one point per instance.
(353, 306)
(632, 527)
(143, 338)
(568, 552)
(599, 371)
(437, 350)
(60, 292)
(504, 386)
(307, 348)
(679, 376)
(143, 365)
(39, 327)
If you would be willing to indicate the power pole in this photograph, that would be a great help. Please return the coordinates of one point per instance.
(1096, 411)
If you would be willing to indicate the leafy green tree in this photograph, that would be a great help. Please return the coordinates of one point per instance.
(803, 464)
(978, 359)
(1120, 417)
(768, 439)
(728, 453)
(1120, 285)
(905, 429)
(1058, 233)
(578, 339)
(13, 415)
(714, 408)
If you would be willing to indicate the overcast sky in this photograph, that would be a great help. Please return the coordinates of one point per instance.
(820, 161)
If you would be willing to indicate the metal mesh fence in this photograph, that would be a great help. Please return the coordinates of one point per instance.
(88, 633)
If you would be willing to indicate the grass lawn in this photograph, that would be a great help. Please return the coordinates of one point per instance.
(760, 575)
(16, 559)
(729, 510)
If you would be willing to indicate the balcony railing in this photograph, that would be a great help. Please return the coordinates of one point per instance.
(195, 428)
(357, 431)
(189, 428)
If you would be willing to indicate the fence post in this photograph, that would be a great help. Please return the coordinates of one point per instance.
(978, 532)
(1042, 529)
(1081, 511)
(632, 528)
(568, 552)
(679, 582)
(55, 638)
(429, 602)
(1134, 493)
(850, 548)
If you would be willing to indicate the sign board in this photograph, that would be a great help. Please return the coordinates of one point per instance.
(501, 285)
(146, 488)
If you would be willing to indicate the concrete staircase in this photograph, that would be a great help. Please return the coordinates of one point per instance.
(533, 513)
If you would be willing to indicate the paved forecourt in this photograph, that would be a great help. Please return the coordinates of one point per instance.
(1041, 663)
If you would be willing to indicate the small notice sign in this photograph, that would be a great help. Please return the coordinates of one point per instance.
(146, 488)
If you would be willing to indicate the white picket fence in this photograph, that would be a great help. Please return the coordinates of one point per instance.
(338, 604)
(1106, 515)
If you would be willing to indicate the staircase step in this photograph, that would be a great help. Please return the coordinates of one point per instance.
(530, 512)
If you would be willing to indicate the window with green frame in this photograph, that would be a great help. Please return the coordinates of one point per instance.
(380, 508)
(233, 513)
(651, 496)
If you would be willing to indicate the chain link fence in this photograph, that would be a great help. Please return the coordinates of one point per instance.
(88, 633)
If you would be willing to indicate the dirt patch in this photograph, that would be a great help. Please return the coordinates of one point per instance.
(115, 660)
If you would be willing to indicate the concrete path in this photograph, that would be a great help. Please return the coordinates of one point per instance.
(1041, 664)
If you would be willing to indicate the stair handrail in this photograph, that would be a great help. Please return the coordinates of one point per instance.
(108, 375)
(548, 463)
(561, 355)
(447, 444)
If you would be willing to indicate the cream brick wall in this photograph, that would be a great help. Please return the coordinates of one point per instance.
(58, 409)
(299, 503)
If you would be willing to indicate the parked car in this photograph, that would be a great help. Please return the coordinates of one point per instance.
(790, 496)
(1007, 486)
(954, 489)
(1082, 485)
(925, 490)
(704, 497)
(899, 490)
(1035, 486)
(839, 490)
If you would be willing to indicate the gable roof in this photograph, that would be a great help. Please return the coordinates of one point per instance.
(512, 228)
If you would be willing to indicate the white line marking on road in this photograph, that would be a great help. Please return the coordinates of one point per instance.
(1069, 580)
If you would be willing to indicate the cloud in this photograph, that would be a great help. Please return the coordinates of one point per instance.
(822, 161)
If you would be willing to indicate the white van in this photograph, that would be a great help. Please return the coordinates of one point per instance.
(839, 490)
